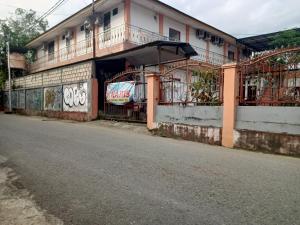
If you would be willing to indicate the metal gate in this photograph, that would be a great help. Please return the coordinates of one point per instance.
(134, 110)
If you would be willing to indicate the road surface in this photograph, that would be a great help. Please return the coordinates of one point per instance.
(91, 175)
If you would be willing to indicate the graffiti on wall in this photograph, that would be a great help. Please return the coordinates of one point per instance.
(34, 99)
(21, 99)
(17, 99)
(75, 98)
(14, 99)
(53, 98)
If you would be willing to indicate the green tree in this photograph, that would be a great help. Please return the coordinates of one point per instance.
(18, 29)
(204, 89)
(286, 39)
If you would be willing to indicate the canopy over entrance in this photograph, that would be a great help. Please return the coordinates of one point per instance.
(155, 53)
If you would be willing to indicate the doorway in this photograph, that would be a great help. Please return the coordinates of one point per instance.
(105, 70)
(107, 26)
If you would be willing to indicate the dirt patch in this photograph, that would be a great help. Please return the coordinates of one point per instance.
(17, 206)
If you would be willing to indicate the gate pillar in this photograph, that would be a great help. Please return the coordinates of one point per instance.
(153, 83)
(94, 99)
(230, 96)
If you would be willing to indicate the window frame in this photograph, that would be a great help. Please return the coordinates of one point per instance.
(230, 55)
(51, 50)
(174, 31)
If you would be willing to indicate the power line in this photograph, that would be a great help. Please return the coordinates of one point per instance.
(49, 11)
(52, 9)
(16, 7)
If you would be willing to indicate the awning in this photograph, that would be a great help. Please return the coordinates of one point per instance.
(154, 53)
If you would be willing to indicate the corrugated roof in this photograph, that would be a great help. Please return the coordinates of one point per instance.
(261, 42)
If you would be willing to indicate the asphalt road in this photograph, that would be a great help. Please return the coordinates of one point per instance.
(89, 175)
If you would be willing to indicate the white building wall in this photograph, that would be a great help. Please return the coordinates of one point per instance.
(171, 23)
(40, 52)
(62, 43)
(80, 35)
(200, 43)
(144, 18)
(117, 20)
(216, 48)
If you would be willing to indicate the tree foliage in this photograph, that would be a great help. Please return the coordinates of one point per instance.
(204, 88)
(286, 39)
(18, 29)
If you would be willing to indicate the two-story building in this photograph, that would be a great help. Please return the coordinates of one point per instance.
(74, 58)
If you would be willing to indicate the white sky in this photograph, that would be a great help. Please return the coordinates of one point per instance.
(237, 17)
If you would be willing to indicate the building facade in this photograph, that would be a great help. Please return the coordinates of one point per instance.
(72, 59)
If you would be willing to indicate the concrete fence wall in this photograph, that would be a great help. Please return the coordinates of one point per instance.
(256, 128)
(69, 101)
(198, 123)
(67, 92)
(269, 119)
(268, 129)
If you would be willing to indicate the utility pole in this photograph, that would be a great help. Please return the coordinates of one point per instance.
(94, 35)
(94, 40)
(9, 76)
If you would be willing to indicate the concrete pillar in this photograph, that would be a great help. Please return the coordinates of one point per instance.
(235, 53)
(127, 18)
(75, 41)
(207, 51)
(230, 96)
(161, 24)
(153, 83)
(97, 34)
(94, 99)
(127, 5)
(187, 30)
(57, 49)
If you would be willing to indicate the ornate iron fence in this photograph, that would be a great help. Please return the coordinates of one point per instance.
(191, 84)
(271, 79)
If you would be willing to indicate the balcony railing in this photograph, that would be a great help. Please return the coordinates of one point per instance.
(110, 38)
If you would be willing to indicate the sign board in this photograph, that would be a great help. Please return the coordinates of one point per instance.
(120, 93)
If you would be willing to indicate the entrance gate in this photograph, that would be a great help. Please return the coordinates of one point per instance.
(125, 97)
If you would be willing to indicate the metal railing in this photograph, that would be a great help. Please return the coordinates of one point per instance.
(199, 87)
(63, 55)
(272, 79)
(112, 37)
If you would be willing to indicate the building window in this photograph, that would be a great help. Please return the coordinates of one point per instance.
(231, 55)
(68, 44)
(107, 26)
(115, 11)
(174, 35)
(51, 50)
(88, 38)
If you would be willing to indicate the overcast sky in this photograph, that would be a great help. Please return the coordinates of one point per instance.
(237, 17)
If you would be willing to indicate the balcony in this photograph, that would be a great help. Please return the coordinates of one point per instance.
(112, 41)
